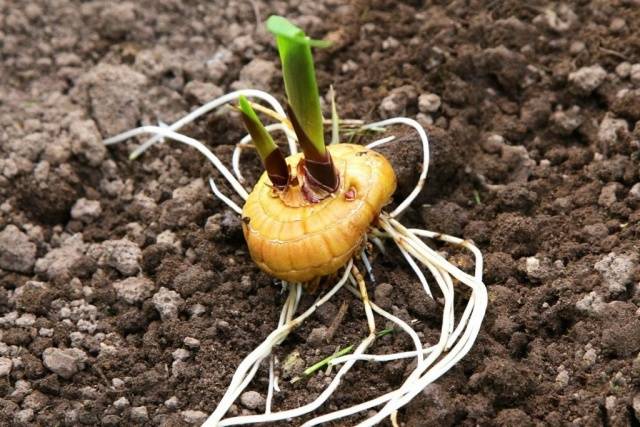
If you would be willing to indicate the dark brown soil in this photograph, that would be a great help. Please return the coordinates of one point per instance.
(534, 156)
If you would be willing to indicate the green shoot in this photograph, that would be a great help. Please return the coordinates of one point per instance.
(300, 83)
(268, 151)
(476, 197)
(325, 362)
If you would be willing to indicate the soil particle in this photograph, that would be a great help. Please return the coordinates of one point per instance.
(382, 295)
(441, 408)
(507, 66)
(33, 297)
(627, 104)
(396, 103)
(258, 73)
(112, 94)
(587, 79)
(514, 417)
(50, 198)
(193, 280)
(503, 380)
(429, 103)
(134, 290)
(535, 112)
(116, 20)
(617, 271)
(17, 252)
(5, 366)
(252, 400)
(86, 210)
(565, 122)
(201, 92)
(621, 334)
(168, 303)
(446, 217)
(500, 266)
(86, 142)
(139, 414)
(516, 235)
(64, 362)
(122, 254)
(193, 417)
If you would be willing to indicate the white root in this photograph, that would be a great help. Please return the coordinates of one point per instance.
(355, 276)
(425, 156)
(432, 361)
(204, 109)
(224, 198)
(167, 133)
(265, 348)
(426, 371)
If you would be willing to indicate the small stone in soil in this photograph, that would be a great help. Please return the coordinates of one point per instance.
(86, 142)
(64, 362)
(193, 417)
(623, 70)
(121, 403)
(429, 103)
(5, 366)
(397, 101)
(59, 263)
(636, 405)
(562, 379)
(24, 416)
(191, 342)
(608, 194)
(259, 73)
(139, 414)
(252, 400)
(564, 122)
(317, 336)
(201, 92)
(591, 303)
(134, 289)
(590, 357)
(382, 295)
(181, 354)
(123, 255)
(168, 303)
(17, 252)
(634, 74)
(617, 270)
(172, 403)
(587, 79)
(86, 210)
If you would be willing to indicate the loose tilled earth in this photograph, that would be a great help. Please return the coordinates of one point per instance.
(127, 296)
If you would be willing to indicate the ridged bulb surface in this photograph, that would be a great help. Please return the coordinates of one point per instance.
(297, 241)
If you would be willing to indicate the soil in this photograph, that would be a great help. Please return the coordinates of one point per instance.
(535, 156)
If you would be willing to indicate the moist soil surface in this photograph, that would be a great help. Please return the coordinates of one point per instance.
(127, 296)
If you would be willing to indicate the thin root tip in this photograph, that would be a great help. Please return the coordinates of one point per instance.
(134, 155)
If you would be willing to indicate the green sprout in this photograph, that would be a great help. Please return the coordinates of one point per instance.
(268, 151)
(303, 100)
(340, 352)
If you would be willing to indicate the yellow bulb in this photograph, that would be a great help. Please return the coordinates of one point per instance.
(297, 241)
